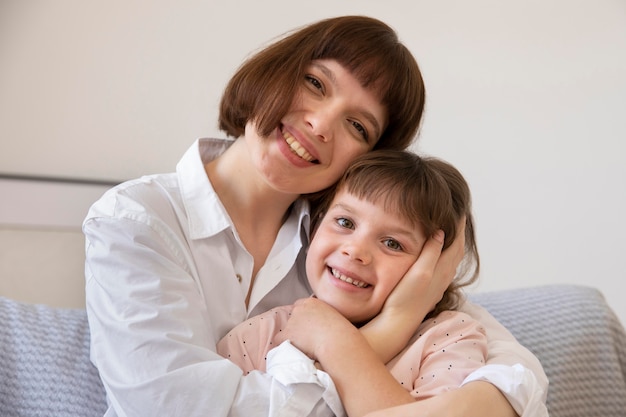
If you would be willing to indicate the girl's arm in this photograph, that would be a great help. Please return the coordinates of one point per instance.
(356, 359)
(361, 378)
(511, 368)
(512, 383)
(352, 365)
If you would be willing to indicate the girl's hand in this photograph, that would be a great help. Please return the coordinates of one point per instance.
(361, 378)
(417, 293)
(314, 325)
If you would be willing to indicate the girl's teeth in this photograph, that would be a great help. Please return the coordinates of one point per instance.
(349, 280)
(297, 148)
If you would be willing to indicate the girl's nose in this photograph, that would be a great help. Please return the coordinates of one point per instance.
(357, 251)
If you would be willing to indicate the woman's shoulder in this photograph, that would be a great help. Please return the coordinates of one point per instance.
(141, 196)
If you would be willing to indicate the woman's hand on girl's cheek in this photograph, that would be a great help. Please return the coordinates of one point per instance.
(314, 325)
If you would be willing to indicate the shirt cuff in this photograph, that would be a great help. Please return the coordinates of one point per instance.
(292, 368)
(289, 365)
(519, 386)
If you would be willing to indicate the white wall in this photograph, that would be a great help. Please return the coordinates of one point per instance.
(527, 98)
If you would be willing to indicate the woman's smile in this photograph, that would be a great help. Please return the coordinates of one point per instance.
(297, 148)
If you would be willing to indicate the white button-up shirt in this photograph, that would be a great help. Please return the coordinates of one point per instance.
(167, 277)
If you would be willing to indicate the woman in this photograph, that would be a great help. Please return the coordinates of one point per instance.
(174, 261)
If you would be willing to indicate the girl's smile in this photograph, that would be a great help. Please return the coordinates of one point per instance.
(358, 254)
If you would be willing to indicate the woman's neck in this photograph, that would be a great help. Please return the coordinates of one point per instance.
(257, 210)
(242, 190)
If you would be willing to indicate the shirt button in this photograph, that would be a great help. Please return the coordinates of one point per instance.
(238, 277)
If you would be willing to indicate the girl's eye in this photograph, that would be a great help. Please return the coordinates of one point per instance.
(393, 244)
(345, 223)
(361, 129)
(314, 82)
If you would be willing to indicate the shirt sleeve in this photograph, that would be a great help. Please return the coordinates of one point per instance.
(151, 335)
(296, 386)
(454, 345)
(512, 368)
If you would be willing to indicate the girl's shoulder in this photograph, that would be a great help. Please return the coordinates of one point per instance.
(448, 322)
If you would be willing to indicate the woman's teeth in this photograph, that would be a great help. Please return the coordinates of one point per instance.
(349, 280)
(297, 148)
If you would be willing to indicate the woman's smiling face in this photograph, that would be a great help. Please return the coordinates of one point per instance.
(358, 254)
(331, 121)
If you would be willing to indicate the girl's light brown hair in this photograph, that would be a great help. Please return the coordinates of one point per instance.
(264, 87)
(428, 192)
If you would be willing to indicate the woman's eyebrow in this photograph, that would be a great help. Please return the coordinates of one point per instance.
(327, 72)
(369, 116)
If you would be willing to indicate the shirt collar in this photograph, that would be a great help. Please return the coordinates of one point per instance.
(197, 193)
(200, 198)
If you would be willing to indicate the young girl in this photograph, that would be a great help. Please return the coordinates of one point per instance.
(374, 226)
(174, 261)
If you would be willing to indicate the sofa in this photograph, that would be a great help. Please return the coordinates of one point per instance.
(45, 368)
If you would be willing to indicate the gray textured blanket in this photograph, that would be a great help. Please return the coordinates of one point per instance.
(579, 341)
(45, 368)
(44, 363)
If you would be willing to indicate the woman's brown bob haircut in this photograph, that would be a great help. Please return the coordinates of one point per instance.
(428, 192)
(263, 88)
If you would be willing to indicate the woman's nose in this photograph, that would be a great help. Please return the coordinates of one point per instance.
(322, 122)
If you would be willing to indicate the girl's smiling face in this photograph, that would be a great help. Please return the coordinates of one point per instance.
(358, 254)
(331, 121)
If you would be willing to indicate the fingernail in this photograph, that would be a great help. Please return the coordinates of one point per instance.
(439, 236)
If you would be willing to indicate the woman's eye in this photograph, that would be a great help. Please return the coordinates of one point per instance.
(393, 244)
(345, 223)
(361, 129)
(314, 82)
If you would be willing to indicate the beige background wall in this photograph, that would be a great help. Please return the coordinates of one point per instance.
(527, 98)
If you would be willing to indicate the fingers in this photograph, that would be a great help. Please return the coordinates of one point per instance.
(420, 279)
(428, 258)
(433, 260)
(453, 255)
(313, 324)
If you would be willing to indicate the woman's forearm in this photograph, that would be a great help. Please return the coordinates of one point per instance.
(475, 399)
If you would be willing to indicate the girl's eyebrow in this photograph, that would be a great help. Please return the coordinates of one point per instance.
(341, 206)
(331, 76)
